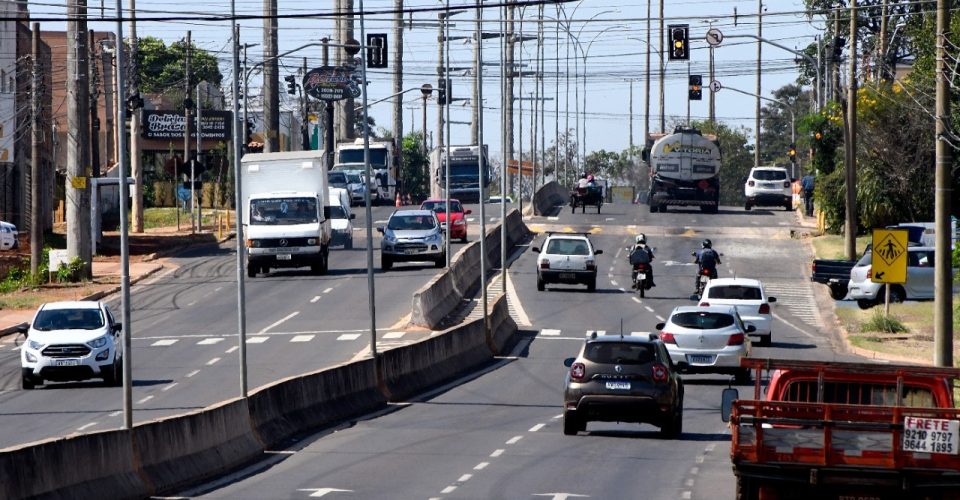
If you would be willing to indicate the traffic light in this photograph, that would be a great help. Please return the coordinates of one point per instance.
(291, 84)
(679, 42)
(792, 153)
(442, 86)
(248, 132)
(695, 88)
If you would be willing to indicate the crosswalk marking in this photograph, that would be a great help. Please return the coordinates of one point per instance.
(210, 341)
(302, 338)
(549, 332)
(257, 340)
(393, 335)
(797, 298)
(164, 342)
(598, 332)
(349, 336)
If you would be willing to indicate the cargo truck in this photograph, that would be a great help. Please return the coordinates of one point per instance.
(383, 166)
(286, 215)
(465, 172)
(684, 171)
(838, 431)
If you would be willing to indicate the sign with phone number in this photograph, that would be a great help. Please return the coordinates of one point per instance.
(931, 435)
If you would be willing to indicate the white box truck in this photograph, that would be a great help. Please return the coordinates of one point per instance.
(286, 219)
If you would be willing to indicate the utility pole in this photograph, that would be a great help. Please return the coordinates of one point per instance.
(646, 83)
(271, 79)
(881, 57)
(136, 167)
(94, 115)
(328, 107)
(187, 104)
(630, 114)
(850, 165)
(508, 95)
(663, 70)
(713, 108)
(441, 71)
(481, 163)
(943, 284)
(543, 105)
(78, 137)
(193, 180)
(345, 107)
(475, 100)
(36, 175)
(238, 145)
(756, 148)
(398, 84)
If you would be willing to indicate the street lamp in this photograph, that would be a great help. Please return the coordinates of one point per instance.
(646, 100)
(586, 54)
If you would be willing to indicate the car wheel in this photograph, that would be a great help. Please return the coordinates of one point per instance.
(113, 376)
(742, 376)
(572, 423)
(674, 428)
(316, 269)
(540, 285)
(865, 303)
(27, 382)
(251, 270)
(897, 295)
(747, 207)
(653, 209)
(464, 239)
(385, 263)
(349, 243)
(592, 285)
(838, 291)
(441, 261)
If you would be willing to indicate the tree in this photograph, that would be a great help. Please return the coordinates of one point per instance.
(415, 170)
(161, 67)
(736, 159)
(775, 137)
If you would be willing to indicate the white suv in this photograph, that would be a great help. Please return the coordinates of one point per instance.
(71, 341)
(567, 258)
(768, 186)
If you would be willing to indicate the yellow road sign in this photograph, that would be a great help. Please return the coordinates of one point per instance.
(889, 256)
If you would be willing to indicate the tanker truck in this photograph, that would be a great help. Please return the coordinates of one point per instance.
(684, 171)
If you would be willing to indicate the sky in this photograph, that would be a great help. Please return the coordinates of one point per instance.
(613, 32)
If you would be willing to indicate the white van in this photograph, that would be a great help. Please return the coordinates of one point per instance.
(341, 218)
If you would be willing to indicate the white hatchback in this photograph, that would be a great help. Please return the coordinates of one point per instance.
(750, 299)
(567, 258)
(710, 339)
(919, 283)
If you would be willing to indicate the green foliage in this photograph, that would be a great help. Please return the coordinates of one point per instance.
(883, 323)
(72, 272)
(415, 170)
(737, 159)
(19, 277)
(828, 146)
(775, 135)
(161, 67)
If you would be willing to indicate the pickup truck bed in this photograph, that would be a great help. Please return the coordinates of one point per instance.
(833, 273)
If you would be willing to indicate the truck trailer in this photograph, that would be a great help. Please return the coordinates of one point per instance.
(684, 171)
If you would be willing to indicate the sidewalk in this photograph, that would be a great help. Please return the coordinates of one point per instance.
(108, 272)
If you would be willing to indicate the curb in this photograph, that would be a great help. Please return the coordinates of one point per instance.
(867, 353)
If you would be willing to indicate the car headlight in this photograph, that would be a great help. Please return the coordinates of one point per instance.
(30, 357)
(253, 243)
(459, 222)
(98, 342)
(311, 241)
(33, 344)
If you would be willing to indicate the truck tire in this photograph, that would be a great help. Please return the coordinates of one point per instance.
(747, 490)
(653, 209)
(348, 244)
(251, 270)
(325, 260)
(838, 291)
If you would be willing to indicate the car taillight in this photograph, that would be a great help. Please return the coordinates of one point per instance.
(870, 272)
(544, 264)
(751, 183)
(786, 184)
(668, 338)
(659, 373)
(704, 304)
(764, 308)
(735, 339)
(591, 265)
(577, 372)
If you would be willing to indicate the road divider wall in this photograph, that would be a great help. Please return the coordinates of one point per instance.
(549, 196)
(443, 294)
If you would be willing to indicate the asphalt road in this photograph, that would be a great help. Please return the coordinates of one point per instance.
(185, 336)
(498, 434)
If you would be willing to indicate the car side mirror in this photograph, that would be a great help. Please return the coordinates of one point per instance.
(467, 212)
(23, 328)
(118, 327)
(727, 397)
(660, 326)
(771, 299)
(535, 249)
(751, 328)
(380, 229)
(597, 252)
(569, 362)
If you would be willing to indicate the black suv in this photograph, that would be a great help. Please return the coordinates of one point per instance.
(623, 379)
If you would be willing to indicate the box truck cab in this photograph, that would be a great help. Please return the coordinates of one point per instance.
(287, 218)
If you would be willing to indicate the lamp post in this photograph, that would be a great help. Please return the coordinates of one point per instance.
(586, 54)
(646, 99)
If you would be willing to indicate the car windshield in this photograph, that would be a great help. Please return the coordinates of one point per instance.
(623, 353)
(279, 211)
(68, 319)
(354, 179)
(338, 178)
(734, 292)
(411, 222)
(441, 207)
(702, 320)
(568, 246)
(337, 212)
(770, 175)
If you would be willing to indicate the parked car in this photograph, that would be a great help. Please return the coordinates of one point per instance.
(622, 379)
(9, 236)
(458, 228)
(337, 179)
(71, 341)
(835, 273)
(567, 258)
(748, 297)
(919, 285)
(412, 235)
(498, 199)
(709, 339)
(768, 186)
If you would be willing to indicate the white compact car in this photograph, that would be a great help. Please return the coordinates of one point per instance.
(750, 299)
(710, 339)
(567, 258)
(768, 186)
(919, 285)
(8, 236)
(71, 341)
(341, 218)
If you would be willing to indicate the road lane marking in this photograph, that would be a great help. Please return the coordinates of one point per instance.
(116, 413)
(171, 386)
(349, 336)
(791, 325)
(610, 218)
(279, 322)
(448, 490)
(144, 400)
(661, 318)
(302, 338)
(481, 466)
(217, 289)
(257, 340)
(230, 350)
(192, 373)
(315, 299)
(694, 471)
(636, 300)
(328, 290)
(514, 439)
(393, 335)
(553, 218)
(648, 308)
(464, 478)
(496, 453)
(212, 361)
(210, 341)
(598, 332)
(639, 334)
(537, 427)
(614, 283)
(192, 303)
(164, 342)
(549, 332)
(86, 426)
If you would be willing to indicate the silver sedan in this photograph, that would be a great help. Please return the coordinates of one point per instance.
(709, 339)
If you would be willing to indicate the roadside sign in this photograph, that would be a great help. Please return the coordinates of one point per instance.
(332, 83)
(889, 250)
(523, 168)
(714, 37)
(78, 182)
(715, 86)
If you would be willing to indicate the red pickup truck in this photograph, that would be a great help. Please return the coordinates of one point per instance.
(846, 431)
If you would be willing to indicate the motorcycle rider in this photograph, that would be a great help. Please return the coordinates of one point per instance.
(707, 258)
(641, 253)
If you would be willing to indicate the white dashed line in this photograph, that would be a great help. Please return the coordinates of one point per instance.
(639, 334)
(116, 413)
(497, 453)
(636, 300)
(537, 427)
(144, 400)
(394, 335)
(171, 386)
(481, 466)
(689, 483)
(192, 373)
(686, 495)
(614, 283)
(217, 289)
(230, 350)
(448, 490)
(328, 290)
(315, 299)
(464, 478)
(213, 361)
(257, 340)
(192, 303)
(648, 308)
(210, 341)
(164, 342)
(514, 439)
(550, 332)
(349, 336)
(279, 321)
(661, 318)
(694, 471)
(302, 338)
(86, 426)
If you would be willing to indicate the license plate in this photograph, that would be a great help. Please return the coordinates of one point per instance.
(67, 362)
(699, 359)
(769, 185)
(641, 277)
(618, 386)
(409, 252)
(931, 435)
(704, 278)
(567, 276)
(284, 256)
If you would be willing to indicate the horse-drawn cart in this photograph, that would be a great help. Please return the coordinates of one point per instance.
(581, 197)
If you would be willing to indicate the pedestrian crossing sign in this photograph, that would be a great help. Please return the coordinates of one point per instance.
(889, 250)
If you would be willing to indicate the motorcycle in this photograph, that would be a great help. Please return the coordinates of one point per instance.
(642, 280)
(703, 279)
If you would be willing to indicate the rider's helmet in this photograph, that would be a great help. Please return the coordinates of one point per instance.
(641, 239)
(590, 177)
(707, 243)
(583, 175)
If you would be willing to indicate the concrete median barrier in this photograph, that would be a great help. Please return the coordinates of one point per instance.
(96, 465)
(549, 196)
(291, 406)
(177, 451)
